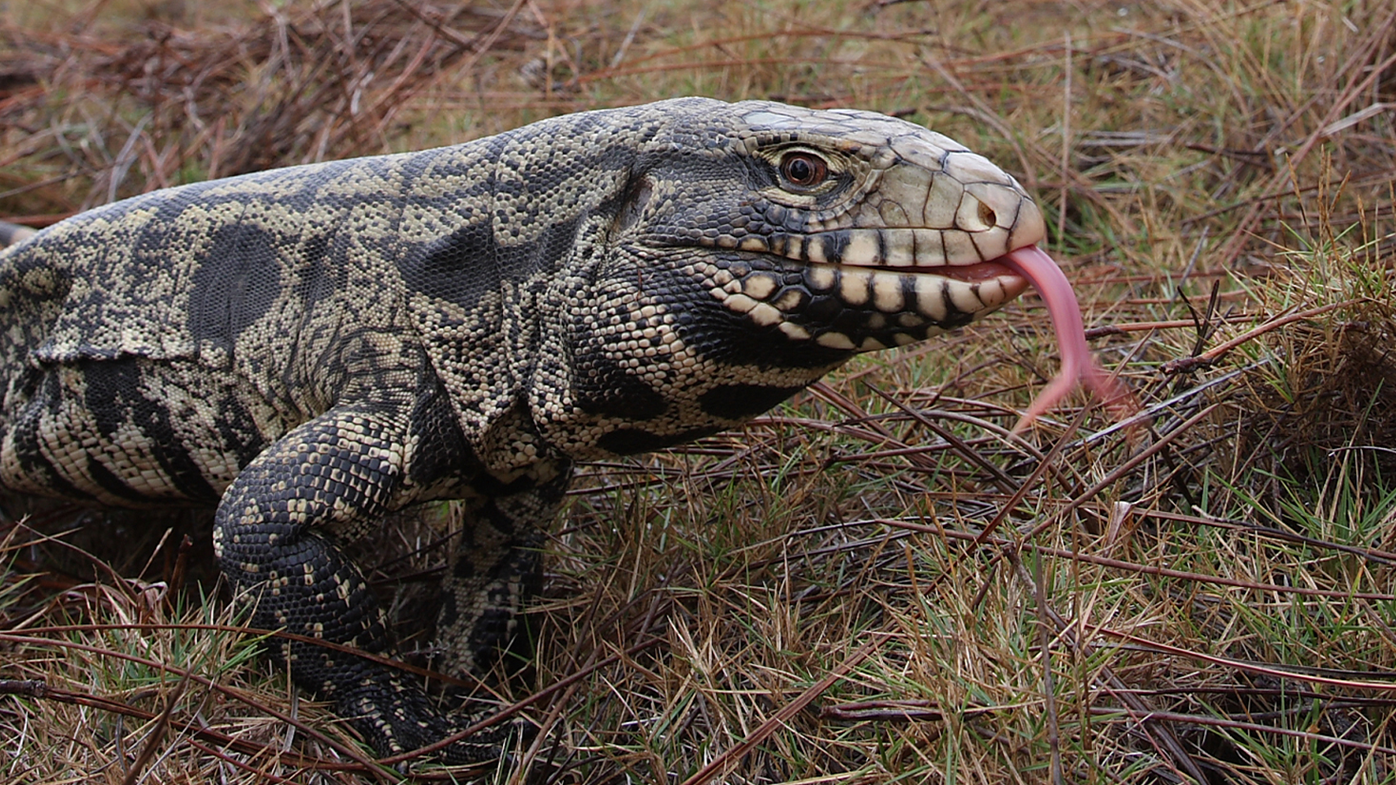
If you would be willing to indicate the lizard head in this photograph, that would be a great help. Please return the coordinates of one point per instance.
(838, 230)
(749, 248)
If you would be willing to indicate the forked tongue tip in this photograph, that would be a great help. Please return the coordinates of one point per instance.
(1078, 364)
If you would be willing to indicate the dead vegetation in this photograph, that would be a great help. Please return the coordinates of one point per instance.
(877, 583)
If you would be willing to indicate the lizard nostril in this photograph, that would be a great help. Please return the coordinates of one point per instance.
(987, 215)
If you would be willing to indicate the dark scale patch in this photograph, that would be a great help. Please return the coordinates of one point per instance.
(234, 285)
(852, 322)
(238, 430)
(835, 243)
(632, 441)
(114, 397)
(740, 401)
(908, 288)
(823, 309)
(711, 335)
(725, 336)
(320, 278)
(956, 318)
(314, 253)
(463, 569)
(459, 268)
(26, 426)
(603, 388)
(113, 484)
(555, 243)
(442, 450)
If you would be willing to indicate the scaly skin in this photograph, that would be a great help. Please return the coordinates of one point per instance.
(311, 348)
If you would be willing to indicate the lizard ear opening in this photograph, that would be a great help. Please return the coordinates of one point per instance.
(632, 207)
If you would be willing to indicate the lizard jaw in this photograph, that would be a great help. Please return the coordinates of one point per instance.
(863, 308)
(860, 308)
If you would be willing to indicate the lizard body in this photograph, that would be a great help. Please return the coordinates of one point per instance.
(308, 349)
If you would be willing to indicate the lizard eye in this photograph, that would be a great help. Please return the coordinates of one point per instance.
(804, 170)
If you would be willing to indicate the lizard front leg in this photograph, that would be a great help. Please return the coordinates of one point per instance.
(275, 535)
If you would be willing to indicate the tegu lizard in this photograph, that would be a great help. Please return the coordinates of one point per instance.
(311, 348)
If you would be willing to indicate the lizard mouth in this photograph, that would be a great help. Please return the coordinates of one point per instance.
(860, 308)
(857, 307)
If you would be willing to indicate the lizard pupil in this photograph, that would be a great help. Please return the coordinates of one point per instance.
(804, 170)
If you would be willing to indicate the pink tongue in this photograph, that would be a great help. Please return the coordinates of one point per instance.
(1077, 363)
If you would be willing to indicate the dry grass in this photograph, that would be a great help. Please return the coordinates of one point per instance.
(876, 583)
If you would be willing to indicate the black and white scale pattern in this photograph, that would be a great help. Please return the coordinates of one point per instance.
(311, 348)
